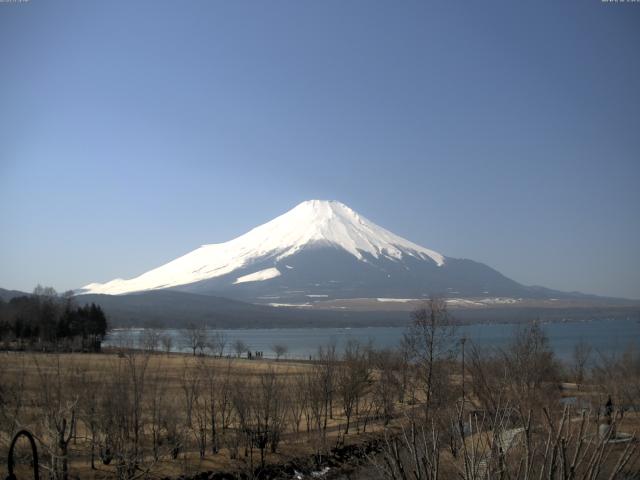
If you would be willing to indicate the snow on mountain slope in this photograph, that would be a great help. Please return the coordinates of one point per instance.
(259, 276)
(309, 223)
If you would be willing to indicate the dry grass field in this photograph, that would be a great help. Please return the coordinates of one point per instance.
(168, 402)
(130, 414)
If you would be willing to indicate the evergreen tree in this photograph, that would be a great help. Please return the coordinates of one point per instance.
(47, 318)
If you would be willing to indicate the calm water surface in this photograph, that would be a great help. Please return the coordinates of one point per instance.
(605, 336)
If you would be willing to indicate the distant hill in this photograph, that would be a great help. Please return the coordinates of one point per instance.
(173, 309)
(177, 309)
(7, 295)
(166, 308)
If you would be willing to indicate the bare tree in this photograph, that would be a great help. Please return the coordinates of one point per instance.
(430, 341)
(316, 410)
(190, 385)
(223, 397)
(167, 342)
(59, 404)
(136, 369)
(261, 412)
(299, 400)
(556, 449)
(269, 410)
(211, 393)
(12, 397)
(353, 378)
(123, 423)
(279, 349)
(618, 376)
(89, 410)
(531, 367)
(218, 343)
(241, 400)
(525, 373)
(489, 377)
(388, 389)
(150, 340)
(580, 357)
(194, 338)
(326, 372)
(158, 409)
(239, 347)
(202, 410)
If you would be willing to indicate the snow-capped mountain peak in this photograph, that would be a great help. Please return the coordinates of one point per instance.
(334, 223)
(310, 223)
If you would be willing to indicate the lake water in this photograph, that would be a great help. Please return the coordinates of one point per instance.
(605, 336)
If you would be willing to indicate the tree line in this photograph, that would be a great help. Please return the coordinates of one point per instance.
(47, 321)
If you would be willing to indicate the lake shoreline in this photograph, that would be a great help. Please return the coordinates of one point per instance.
(407, 323)
(606, 336)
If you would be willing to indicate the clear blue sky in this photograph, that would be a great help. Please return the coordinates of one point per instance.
(506, 132)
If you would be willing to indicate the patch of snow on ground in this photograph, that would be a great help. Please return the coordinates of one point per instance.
(289, 304)
(463, 302)
(482, 302)
(500, 300)
(396, 300)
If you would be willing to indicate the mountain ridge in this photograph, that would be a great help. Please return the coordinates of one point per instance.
(313, 222)
(321, 249)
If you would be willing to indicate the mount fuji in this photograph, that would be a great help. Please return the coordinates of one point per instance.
(322, 251)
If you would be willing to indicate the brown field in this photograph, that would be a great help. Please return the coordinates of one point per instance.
(41, 379)
(130, 414)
